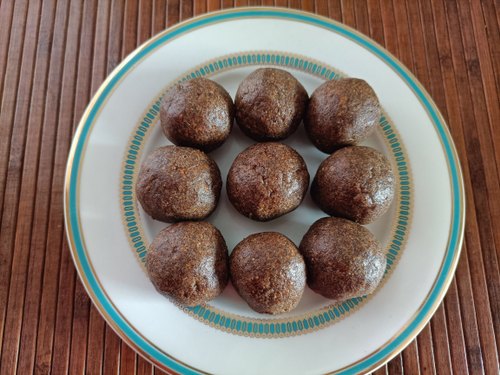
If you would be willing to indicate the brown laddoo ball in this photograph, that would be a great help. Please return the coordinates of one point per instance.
(268, 272)
(267, 180)
(188, 262)
(178, 183)
(355, 182)
(340, 113)
(197, 113)
(270, 104)
(343, 259)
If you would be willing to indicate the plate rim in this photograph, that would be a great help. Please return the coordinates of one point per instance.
(71, 212)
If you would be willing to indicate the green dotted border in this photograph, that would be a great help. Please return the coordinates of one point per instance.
(236, 324)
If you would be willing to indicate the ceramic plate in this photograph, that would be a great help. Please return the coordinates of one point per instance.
(109, 233)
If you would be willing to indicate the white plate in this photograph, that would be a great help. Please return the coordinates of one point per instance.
(109, 233)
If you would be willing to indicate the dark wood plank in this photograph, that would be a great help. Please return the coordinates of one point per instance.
(10, 45)
(426, 351)
(79, 332)
(144, 367)
(46, 322)
(144, 26)
(30, 112)
(6, 16)
(374, 17)
(130, 27)
(478, 248)
(114, 55)
(213, 5)
(361, 17)
(160, 14)
(54, 358)
(294, 4)
(173, 13)
(463, 331)
(200, 7)
(493, 34)
(486, 109)
(322, 7)
(128, 360)
(58, 109)
(308, 5)
(395, 366)
(411, 364)
(95, 342)
(348, 16)
(464, 287)
(381, 371)
(11, 150)
(403, 34)
(420, 66)
(230, 3)
(468, 312)
(389, 27)
(440, 342)
(455, 331)
(186, 9)
(111, 364)
(58, 288)
(335, 10)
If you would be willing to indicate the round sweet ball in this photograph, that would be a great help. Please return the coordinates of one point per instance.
(268, 272)
(188, 262)
(270, 104)
(267, 180)
(178, 183)
(340, 113)
(356, 183)
(197, 113)
(343, 259)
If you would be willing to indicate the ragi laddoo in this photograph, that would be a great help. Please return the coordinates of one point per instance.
(354, 182)
(178, 183)
(268, 272)
(343, 259)
(188, 262)
(197, 113)
(270, 104)
(267, 180)
(340, 113)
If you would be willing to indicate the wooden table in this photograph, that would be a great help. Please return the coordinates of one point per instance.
(53, 57)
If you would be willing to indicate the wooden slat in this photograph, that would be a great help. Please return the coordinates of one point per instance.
(144, 367)
(11, 148)
(59, 320)
(486, 109)
(10, 45)
(111, 363)
(128, 360)
(395, 367)
(321, 7)
(28, 168)
(477, 250)
(53, 57)
(348, 16)
(173, 13)
(58, 110)
(411, 363)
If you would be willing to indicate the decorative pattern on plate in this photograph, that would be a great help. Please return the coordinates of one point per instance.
(271, 327)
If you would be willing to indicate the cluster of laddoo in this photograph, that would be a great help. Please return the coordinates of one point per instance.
(338, 257)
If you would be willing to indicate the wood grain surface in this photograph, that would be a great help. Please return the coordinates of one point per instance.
(55, 54)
